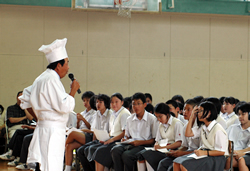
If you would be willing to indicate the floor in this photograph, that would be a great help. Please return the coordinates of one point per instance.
(4, 167)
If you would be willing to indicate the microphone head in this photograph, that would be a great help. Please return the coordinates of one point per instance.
(71, 76)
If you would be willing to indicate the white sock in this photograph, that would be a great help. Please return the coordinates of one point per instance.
(10, 152)
(67, 168)
(17, 158)
(141, 166)
(149, 168)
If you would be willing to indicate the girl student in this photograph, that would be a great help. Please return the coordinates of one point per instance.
(117, 124)
(230, 116)
(76, 138)
(213, 139)
(100, 121)
(170, 129)
(240, 135)
(189, 144)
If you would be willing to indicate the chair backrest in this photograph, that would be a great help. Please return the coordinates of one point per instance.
(231, 153)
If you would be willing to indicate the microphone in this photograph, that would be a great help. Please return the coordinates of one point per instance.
(71, 76)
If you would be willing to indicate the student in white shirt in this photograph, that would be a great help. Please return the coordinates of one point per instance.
(240, 135)
(174, 108)
(140, 129)
(101, 122)
(188, 145)
(170, 131)
(230, 117)
(214, 142)
(76, 139)
(117, 124)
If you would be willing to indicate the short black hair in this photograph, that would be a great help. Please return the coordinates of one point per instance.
(236, 109)
(92, 102)
(53, 65)
(163, 108)
(139, 96)
(179, 98)
(244, 107)
(149, 108)
(216, 102)
(180, 105)
(209, 107)
(198, 98)
(148, 95)
(87, 94)
(105, 98)
(222, 99)
(231, 100)
(191, 102)
(118, 95)
(19, 93)
(2, 109)
(173, 103)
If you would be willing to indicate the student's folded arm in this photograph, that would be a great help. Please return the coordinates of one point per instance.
(144, 142)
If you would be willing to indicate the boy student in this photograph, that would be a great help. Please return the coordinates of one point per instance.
(188, 145)
(230, 117)
(240, 135)
(140, 129)
(174, 108)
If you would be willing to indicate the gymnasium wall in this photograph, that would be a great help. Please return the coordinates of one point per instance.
(167, 54)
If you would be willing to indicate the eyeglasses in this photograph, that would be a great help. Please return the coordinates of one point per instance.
(136, 104)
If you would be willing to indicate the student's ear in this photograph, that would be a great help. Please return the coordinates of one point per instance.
(144, 104)
(178, 109)
(122, 103)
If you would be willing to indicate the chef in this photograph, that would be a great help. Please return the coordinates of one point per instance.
(47, 100)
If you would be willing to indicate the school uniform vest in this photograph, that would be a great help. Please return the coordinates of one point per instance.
(208, 140)
(117, 122)
(169, 133)
(231, 120)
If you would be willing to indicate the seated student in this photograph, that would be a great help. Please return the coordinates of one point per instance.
(198, 99)
(230, 116)
(213, 138)
(174, 108)
(189, 144)
(149, 98)
(117, 124)
(170, 129)
(140, 129)
(16, 117)
(2, 119)
(178, 98)
(16, 142)
(76, 139)
(217, 104)
(101, 122)
(149, 108)
(240, 135)
(222, 112)
(24, 153)
(181, 106)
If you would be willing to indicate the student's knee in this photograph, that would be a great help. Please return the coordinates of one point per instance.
(80, 152)
(116, 151)
(127, 157)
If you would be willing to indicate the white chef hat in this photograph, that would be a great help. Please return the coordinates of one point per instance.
(55, 51)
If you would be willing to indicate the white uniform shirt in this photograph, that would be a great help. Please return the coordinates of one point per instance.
(48, 98)
(181, 118)
(89, 116)
(178, 130)
(192, 143)
(101, 121)
(240, 137)
(222, 121)
(144, 129)
(122, 121)
(220, 138)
